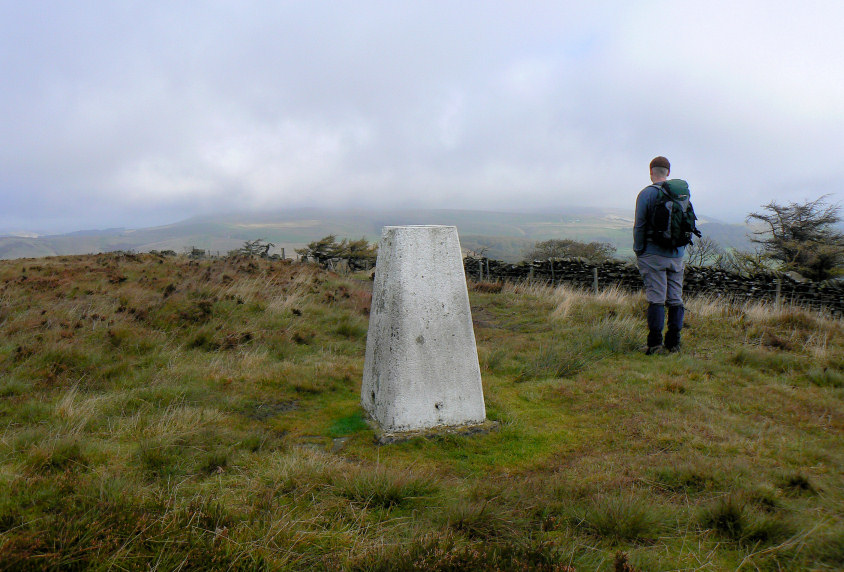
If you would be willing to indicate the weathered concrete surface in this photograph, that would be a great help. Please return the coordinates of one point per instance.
(421, 367)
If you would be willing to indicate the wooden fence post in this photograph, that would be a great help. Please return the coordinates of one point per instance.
(595, 279)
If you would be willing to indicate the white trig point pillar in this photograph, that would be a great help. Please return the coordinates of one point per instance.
(421, 369)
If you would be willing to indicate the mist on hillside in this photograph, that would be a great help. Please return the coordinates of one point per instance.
(501, 235)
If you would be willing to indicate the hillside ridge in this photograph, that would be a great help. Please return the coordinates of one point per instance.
(504, 235)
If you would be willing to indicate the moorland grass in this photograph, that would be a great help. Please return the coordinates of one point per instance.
(166, 413)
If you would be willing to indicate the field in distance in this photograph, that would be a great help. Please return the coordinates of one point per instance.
(163, 413)
(502, 236)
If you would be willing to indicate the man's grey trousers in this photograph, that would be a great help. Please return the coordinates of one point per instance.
(663, 278)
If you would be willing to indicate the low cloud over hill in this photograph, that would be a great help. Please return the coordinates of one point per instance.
(501, 235)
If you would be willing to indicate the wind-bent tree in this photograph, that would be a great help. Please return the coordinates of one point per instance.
(359, 253)
(703, 251)
(567, 248)
(802, 237)
(743, 263)
(255, 248)
(322, 250)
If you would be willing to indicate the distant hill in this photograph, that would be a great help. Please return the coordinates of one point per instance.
(501, 235)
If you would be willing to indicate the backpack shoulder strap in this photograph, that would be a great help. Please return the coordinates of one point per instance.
(660, 189)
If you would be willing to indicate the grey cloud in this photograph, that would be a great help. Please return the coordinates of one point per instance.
(169, 109)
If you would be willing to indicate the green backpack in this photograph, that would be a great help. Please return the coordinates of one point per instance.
(672, 220)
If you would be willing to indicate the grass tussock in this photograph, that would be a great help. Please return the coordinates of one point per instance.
(166, 413)
(384, 489)
(735, 519)
(553, 363)
(56, 456)
(623, 518)
(481, 520)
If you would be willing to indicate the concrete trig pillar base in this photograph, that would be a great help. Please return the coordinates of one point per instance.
(421, 369)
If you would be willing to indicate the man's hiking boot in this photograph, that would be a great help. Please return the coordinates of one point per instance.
(673, 349)
(656, 351)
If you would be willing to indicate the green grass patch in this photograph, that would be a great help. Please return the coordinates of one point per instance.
(768, 361)
(348, 425)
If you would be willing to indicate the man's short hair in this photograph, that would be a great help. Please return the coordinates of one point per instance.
(662, 163)
(659, 171)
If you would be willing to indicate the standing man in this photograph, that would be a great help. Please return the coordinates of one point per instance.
(661, 268)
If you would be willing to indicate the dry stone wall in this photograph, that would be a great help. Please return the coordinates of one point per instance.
(827, 295)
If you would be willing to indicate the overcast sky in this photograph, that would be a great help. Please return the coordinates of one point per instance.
(124, 113)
